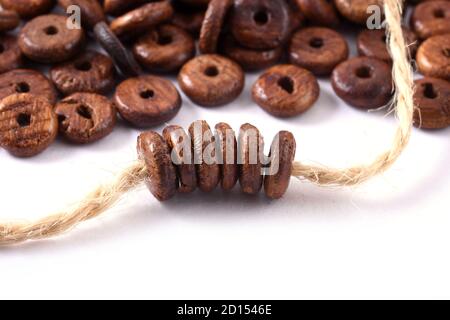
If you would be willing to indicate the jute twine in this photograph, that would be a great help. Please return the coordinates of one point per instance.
(106, 196)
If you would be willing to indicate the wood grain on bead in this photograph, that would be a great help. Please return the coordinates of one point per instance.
(227, 155)
(91, 11)
(26, 8)
(357, 10)
(320, 12)
(10, 54)
(147, 101)
(28, 124)
(431, 18)
(9, 20)
(161, 174)
(85, 117)
(286, 90)
(212, 25)
(433, 57)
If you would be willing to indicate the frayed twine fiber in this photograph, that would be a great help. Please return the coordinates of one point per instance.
(106, 196)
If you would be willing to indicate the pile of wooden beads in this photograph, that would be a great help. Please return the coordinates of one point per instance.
(233, 36)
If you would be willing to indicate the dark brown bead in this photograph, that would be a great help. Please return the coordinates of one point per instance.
(91, 11)
(147, 101)
(251, 59)
(113, 46)
(372, 43)
(433, 57)
(85, 117)
(227, 155)
(9, 20)
(10, 54)
(187, 18)
(319, 50)
(282, 154)
(431, 18)
(432, 99)
(142, 18)
(286, 90)
(118, 7)
(26, 8)
(47, 39)
(90, 72)
(260, 24)
(211, 80)
(180, 144)
(161, 175)
(164, 49)
(204, 151)
(296, 17)
(27, 81)
(28, 124)
(363, 82)
(198, 3)
(250, 155)
(356, 10)
(319, 12)
(212, 25)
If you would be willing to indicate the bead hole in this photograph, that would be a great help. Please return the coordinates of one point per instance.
(22, 87)
(84, 112)
(147, 94)
(165, 40)
(363, 72)
(439, 13)
(261, 17)
(287, 84)
(83, 66)
(429, 91)
(316, 43)
(24, 119)
(51, 30)
(212, 71)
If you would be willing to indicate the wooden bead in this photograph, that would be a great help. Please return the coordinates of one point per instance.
(91, 11)
(356, 10)
(204, 150)
(319, 12)
(47, 39)
(180, 144)
(142, 18)
(211, 80)
(28, 124)
(431, 18)
(90, 72)
(188, 18)
(161, 174)
(212, 25)
(27, 81)
(363, 82)
(286, 90)
(318, 50)
(296, 17)
(198, 3)
(432, 99)
(260, 24)
(85, 117)
(433, 57)
(164, 49)
(147, 101)
(26, 8)
(227, 155)
(118, 7)
(10, 54)
(9, 20)
(251, 148)
(282, 154)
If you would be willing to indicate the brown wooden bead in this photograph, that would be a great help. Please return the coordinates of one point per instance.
(9, 20)
(164, 49)
(286, 90)
(26, 8)
(161, 175)
(47, 39)
(118, 7)
(363, 82)
(251, 148)
(89, 72)
(91, 11)
(212, 25)
(433, 57)
(188, 18)
(251, 59)
(319, 12)
(27, 81)
(296, 17)
(432, 99)
(211, 80)
(227, 155)
(317, 49)
(85, 117)
(356, 10)
(10, 54)
(260, 24)
(180, 144)
(198, 3)
(204, 151)
(28, 124)
(372, 43)
(147, 101)
(431, 18)
(282, 154)
(142, 18)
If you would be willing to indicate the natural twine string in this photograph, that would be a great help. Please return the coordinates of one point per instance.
(106, 196)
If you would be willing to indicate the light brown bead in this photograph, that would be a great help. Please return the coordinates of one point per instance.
(431, 18)
(356, 10)
(433, 57)
(212, 25)
(26, 8)
(319, 12)
(227, 155)
(10, 54)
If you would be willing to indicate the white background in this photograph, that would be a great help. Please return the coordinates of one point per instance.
(386, 239)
